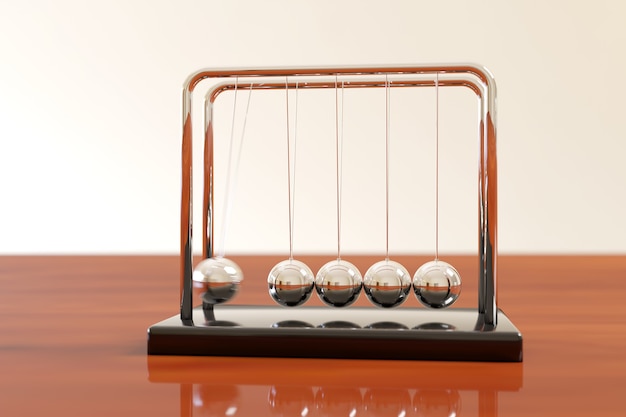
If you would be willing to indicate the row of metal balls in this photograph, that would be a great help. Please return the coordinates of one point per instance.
(338, 283)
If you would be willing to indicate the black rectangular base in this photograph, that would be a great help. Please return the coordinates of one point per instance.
(352, 333)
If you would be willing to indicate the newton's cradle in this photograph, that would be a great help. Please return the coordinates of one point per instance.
(292, 329)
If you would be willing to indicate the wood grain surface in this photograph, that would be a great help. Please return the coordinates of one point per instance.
(73, 342)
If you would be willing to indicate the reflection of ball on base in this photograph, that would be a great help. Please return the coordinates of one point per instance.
(290, 283)
(387, 283)
(437, 284)
(219, 278)
(338, 283)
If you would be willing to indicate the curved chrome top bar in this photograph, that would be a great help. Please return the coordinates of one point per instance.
(197, 76)
(485, 90)
(479, 71)
(263, 84)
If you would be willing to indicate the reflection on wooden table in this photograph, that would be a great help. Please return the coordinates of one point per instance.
(276, 386)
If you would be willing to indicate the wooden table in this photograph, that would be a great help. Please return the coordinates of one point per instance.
(73, 342)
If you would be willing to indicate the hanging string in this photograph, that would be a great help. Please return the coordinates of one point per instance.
(338, 159)
(231, 178)
(291, 183)
(341, 159)
(295, 158)
(387, 138)
(436, 166)
(288, 168)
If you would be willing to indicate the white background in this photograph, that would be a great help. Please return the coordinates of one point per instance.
(90, 114)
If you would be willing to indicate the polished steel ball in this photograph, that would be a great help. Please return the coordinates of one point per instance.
(437, 284)
(218, 278)
(387, 284)
(290, 283)
(338, 283)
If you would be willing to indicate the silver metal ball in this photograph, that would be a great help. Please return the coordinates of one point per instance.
(338, 283)
(437, 284)
(387, 284)
(218, 278)
(290, 283)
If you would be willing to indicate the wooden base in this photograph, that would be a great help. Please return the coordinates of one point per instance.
(351, 333)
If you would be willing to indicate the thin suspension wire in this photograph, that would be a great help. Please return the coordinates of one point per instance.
(341, 158)
(291, 194)
(436, 166)
(295, 158)
(387, 138)
(231, 180)
(288, 167)
(228, 171)
(337, 163)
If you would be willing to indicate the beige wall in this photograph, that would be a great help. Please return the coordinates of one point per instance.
(90, 116)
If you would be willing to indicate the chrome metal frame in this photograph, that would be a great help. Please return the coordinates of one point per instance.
(482, 334)
(474, 77)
